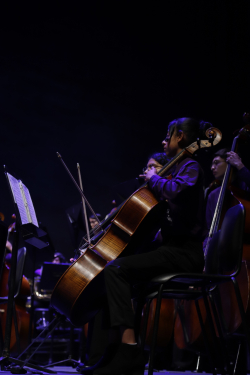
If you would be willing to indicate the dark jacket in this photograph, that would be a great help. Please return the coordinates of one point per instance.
(184, 191)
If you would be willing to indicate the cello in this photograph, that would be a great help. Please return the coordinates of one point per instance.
(79, 292)
(231, 315)
(229, 196)
(23, 317)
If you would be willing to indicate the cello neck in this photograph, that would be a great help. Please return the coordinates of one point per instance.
(172, 162)
(214, 136)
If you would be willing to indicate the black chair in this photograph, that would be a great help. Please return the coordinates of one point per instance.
(230, 263)
(224, 253)
(3, 239)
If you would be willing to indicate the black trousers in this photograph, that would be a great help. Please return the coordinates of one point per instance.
(182, 254)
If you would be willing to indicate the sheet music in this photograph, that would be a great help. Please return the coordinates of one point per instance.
(31, 206)
(18, 198)
(23, 200)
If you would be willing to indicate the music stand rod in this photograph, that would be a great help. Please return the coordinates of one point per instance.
(32, 299)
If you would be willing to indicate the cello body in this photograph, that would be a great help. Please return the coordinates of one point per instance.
(187, 315)
(187, 319)
(231, 314)
(70, 296)
(166, 323)
(229, 306)
(23, 317)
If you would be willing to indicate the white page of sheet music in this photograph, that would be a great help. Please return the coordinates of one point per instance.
(18, 198)
(30, 206)
(25, 201)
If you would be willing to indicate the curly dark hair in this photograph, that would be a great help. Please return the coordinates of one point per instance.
(160, 157)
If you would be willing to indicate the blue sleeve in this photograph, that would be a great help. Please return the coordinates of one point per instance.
(244, 176)
(180, 184)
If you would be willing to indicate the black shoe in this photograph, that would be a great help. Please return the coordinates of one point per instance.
(105, 359)
(85, 367)
(129, 360)
(82, 367)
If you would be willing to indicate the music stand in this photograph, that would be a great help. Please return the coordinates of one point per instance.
(27, 225)
(51, 273)
(76, 223)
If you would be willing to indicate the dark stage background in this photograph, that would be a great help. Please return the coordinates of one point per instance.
(99, 82)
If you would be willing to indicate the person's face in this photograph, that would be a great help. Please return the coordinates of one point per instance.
(171, 145)
(56, 260)
(93, 222)
(218, 167)
(152, 163)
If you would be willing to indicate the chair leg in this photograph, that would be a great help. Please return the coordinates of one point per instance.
(183, 323)
(242, 311)
(198, 364)
(1, 333)
(219, 324)
(216, 300)
(138, 318)
(222, 364)
(145, 324)
(155, 330)
(240, 364)
(204, 334)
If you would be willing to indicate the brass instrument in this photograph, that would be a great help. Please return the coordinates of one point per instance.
(41, 294)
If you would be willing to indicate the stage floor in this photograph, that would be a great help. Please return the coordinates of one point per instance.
(69, 370)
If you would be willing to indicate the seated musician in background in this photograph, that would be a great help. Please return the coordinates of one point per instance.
(157, 161)
(93, 222)
(219, 164)
(42, 300)
(241, 180)
(57, 258)
(180, 251)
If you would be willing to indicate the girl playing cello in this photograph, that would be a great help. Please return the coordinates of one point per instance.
(180, 251)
